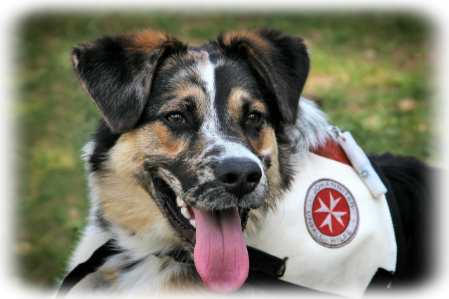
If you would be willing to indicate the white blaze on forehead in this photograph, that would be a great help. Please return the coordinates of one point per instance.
(208, 76)
(211, 126)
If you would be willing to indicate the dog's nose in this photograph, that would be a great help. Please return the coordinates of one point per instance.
(238, 176)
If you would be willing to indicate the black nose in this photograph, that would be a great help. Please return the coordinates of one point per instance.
(239, 176)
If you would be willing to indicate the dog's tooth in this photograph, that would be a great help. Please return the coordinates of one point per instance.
(193, 223)
(185, 212)
(180, 202)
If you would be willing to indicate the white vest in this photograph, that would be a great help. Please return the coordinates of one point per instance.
(333, 232)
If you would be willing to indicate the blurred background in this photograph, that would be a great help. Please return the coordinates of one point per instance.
(372, 73)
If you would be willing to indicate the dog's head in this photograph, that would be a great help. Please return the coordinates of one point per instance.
(200, 130)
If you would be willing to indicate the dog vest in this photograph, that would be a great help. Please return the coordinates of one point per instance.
(328, 234)
(331, 231)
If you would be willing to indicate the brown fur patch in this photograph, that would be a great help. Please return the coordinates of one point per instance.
(258, 106)
(149, 40)
(252, 36)
(266, 143)
(185, 90)
(168, 144)
(235, 102)
(127, 204)
(128, 155)
(220, 63)
(75, 61)
(185, 282)
(120, 195)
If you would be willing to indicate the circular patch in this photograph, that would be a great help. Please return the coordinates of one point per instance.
(331, 213)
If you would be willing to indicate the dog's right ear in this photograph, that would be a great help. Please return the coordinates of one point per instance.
(282, 61)
(117, 71)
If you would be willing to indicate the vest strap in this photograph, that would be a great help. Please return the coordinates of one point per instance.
(265, 271)
(98, 258)
(269, 284)
(265, 263)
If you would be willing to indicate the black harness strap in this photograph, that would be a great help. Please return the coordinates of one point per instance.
(264, 273)
(275, 286)
(97, 259)
(264, 263)
(265, 270)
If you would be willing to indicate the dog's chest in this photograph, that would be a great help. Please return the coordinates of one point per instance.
(333, 232)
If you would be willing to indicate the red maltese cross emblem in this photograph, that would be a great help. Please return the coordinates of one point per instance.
(331, 213)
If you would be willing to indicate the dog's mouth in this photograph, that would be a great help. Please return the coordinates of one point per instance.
(180, 217)
(215, 237)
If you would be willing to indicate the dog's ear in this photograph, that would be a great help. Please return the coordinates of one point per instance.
(282, 62)
(117, 71)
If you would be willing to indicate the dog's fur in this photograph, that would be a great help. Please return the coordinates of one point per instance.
(171, 114)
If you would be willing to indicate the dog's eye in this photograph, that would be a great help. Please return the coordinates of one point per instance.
(176, 118)
(253, 118)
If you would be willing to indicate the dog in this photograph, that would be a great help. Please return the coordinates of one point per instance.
(195, 147)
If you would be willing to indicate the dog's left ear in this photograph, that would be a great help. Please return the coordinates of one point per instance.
(282, 61)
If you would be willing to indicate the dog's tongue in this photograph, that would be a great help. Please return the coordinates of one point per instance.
(220, 253)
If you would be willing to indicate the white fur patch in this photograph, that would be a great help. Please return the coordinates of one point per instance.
(311, 128)
(208, 75)
(150, 278)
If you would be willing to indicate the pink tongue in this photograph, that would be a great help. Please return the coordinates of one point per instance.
(220, 254)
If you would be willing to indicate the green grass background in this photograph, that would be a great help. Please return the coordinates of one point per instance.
(372, 73)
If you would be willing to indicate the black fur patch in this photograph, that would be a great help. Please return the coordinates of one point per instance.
(104, 139)
(412, 182)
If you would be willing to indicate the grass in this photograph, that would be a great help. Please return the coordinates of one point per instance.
(371, 72)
